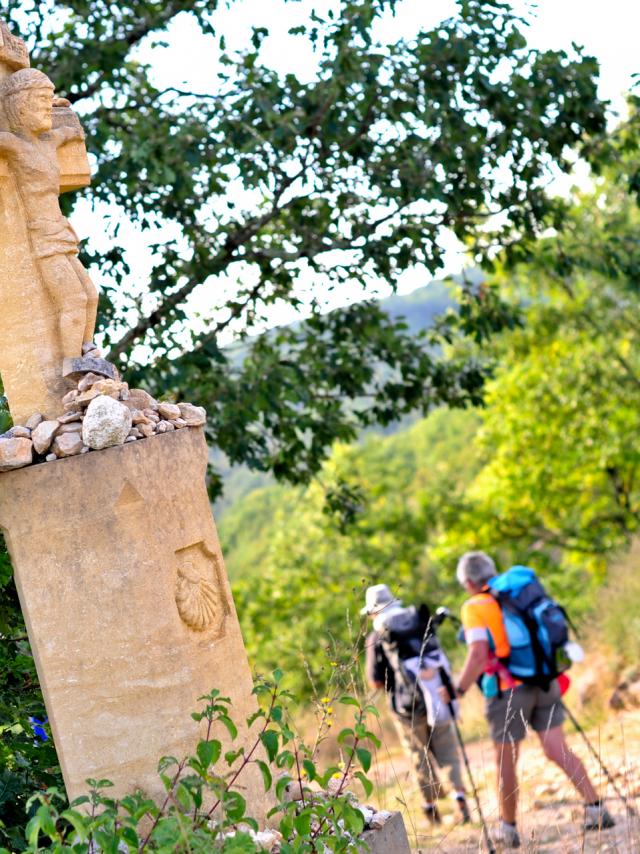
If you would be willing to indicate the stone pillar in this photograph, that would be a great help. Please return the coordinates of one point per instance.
(128, 607)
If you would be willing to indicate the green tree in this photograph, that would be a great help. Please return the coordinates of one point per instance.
(561, 422)
(546, 473)
(299, 584)
(349, 177)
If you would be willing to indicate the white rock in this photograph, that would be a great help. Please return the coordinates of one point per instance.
(69, 417)
(367, 814)
(20, 432)
(88, 380)
(15, 453)
(33, 421)
(107, 422)
(73, 427)
(141, 399)
(67, 445)
(169, 410)
(42, 436)
(379, 819)
(194, 416)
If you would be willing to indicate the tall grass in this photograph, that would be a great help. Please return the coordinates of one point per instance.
(615, 622)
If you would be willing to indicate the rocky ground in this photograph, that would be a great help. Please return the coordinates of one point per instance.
(550, 811)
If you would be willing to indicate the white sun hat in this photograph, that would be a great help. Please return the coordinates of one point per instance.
(378, 597)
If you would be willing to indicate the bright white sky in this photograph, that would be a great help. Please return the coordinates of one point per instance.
(608, 31)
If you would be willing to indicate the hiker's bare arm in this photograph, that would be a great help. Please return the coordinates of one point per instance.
(9, 143)
(475, 663)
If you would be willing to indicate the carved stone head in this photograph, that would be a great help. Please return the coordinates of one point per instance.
(27, 99)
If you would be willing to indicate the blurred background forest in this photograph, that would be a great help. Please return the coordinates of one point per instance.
(545, 472)
(248, 239)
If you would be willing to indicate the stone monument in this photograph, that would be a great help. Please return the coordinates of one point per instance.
(116, 557)
(45, 293)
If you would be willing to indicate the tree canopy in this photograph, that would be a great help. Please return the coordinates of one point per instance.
(267, 180)
(545, 473)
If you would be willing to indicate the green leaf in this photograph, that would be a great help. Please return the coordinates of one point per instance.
(269, 739)
(285, 759)
(344, 734)
(232, 755)
(310, 768)
(234, 806)
(281, 786)
(209, 752)
(302, 823)
(353, 819)
(364, 756)
(78, 821)
(367, 785)
(266, 774)
(226, 721)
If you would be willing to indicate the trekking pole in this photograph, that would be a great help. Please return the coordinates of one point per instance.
(630, 809)
(446, 681)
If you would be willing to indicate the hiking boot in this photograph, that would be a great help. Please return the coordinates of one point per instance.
(431, 812)
(463, 808)
(507, 835)
(597, 817)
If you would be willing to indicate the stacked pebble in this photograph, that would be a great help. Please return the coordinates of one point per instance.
(98, 413)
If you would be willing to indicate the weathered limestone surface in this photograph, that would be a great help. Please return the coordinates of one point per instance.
(127, 604)
(391, 838)
(46, 298)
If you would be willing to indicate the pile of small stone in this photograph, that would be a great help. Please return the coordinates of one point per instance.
(100, 412)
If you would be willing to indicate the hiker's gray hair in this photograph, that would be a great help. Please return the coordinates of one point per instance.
(475, 567)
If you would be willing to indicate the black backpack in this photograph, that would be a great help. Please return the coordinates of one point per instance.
(408, 634)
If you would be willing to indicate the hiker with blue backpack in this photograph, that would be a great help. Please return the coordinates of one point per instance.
(518, 645)
(404, 658)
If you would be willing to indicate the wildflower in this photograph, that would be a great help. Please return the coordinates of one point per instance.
(38, 728)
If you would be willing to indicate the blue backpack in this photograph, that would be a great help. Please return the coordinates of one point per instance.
(536, 625)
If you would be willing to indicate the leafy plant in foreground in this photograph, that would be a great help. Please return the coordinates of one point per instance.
(203, 808)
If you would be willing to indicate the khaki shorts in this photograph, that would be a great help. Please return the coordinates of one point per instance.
(510, 714)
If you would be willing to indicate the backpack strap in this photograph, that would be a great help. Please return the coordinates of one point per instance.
(570, 622)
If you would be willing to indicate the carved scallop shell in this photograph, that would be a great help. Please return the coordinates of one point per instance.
(197, 599)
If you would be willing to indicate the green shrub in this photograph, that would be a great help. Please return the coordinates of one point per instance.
(204, 810)
(616, 619)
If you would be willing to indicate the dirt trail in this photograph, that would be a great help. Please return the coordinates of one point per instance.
(550, 812)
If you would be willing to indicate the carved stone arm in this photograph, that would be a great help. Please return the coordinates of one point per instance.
(8, 143)
(62, 135)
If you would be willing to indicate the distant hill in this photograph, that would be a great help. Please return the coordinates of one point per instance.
(419, 308)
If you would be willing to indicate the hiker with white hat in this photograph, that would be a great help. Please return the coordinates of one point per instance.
(403, 657)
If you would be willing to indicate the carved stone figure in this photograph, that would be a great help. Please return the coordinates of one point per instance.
(30, 147)
(47, 300)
